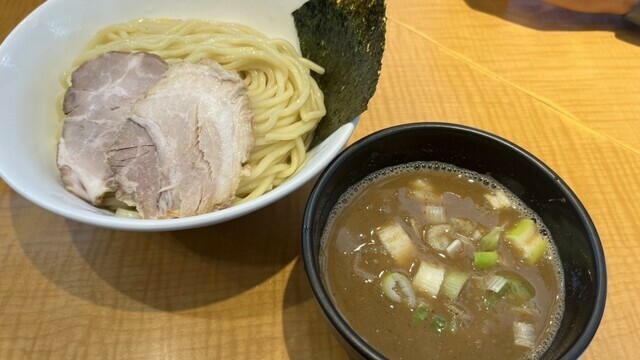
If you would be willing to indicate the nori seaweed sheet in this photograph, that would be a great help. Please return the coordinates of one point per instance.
(346, 38)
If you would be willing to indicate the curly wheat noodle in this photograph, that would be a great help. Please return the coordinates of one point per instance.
(286, 101)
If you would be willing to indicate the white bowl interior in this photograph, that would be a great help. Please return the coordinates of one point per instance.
(44, 45)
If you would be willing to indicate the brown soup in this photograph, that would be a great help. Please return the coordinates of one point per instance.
(429, 261)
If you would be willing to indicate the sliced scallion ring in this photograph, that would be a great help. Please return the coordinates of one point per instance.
(397, 288)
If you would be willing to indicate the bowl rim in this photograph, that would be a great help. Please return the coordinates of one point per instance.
(330, 147)
(310, 259)
(323, 153)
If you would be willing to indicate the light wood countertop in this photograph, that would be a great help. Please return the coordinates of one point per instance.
(564, 86)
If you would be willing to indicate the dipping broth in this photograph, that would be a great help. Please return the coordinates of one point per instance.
(429, 261)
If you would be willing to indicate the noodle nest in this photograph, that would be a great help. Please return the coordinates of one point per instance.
(286, 101)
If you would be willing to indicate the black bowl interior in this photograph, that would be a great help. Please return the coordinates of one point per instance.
(528, 178)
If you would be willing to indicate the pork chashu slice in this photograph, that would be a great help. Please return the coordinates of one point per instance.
(197, 125)
(97, 105)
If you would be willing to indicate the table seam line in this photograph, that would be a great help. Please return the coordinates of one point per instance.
(564, 114)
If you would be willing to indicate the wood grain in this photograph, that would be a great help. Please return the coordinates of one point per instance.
(561, 85)
(581, 63)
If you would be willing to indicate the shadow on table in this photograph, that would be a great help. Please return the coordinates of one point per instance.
(544, 17)
(168, 271)
(306, 333)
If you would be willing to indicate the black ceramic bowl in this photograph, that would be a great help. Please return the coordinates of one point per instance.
(526, 176)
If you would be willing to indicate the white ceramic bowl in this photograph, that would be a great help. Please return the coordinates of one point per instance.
(44, 45)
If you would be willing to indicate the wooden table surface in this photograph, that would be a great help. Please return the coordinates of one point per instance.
(562, 85)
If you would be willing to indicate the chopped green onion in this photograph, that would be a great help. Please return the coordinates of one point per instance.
(453, 283)
(491, 241)
(435, 214)
(397, 243)
(496, 283)
(423, 191)
(438, 236)
(428, 279)
(397, 288)
(524, 334)
(420, 314)
(453, 247)
(535, 249)
(483, 259)
(522, 231)
(491, 300)
(498, 200)
(521, 291)
(524, 237)
(438, 324)
(519, 287)
(120, 212)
